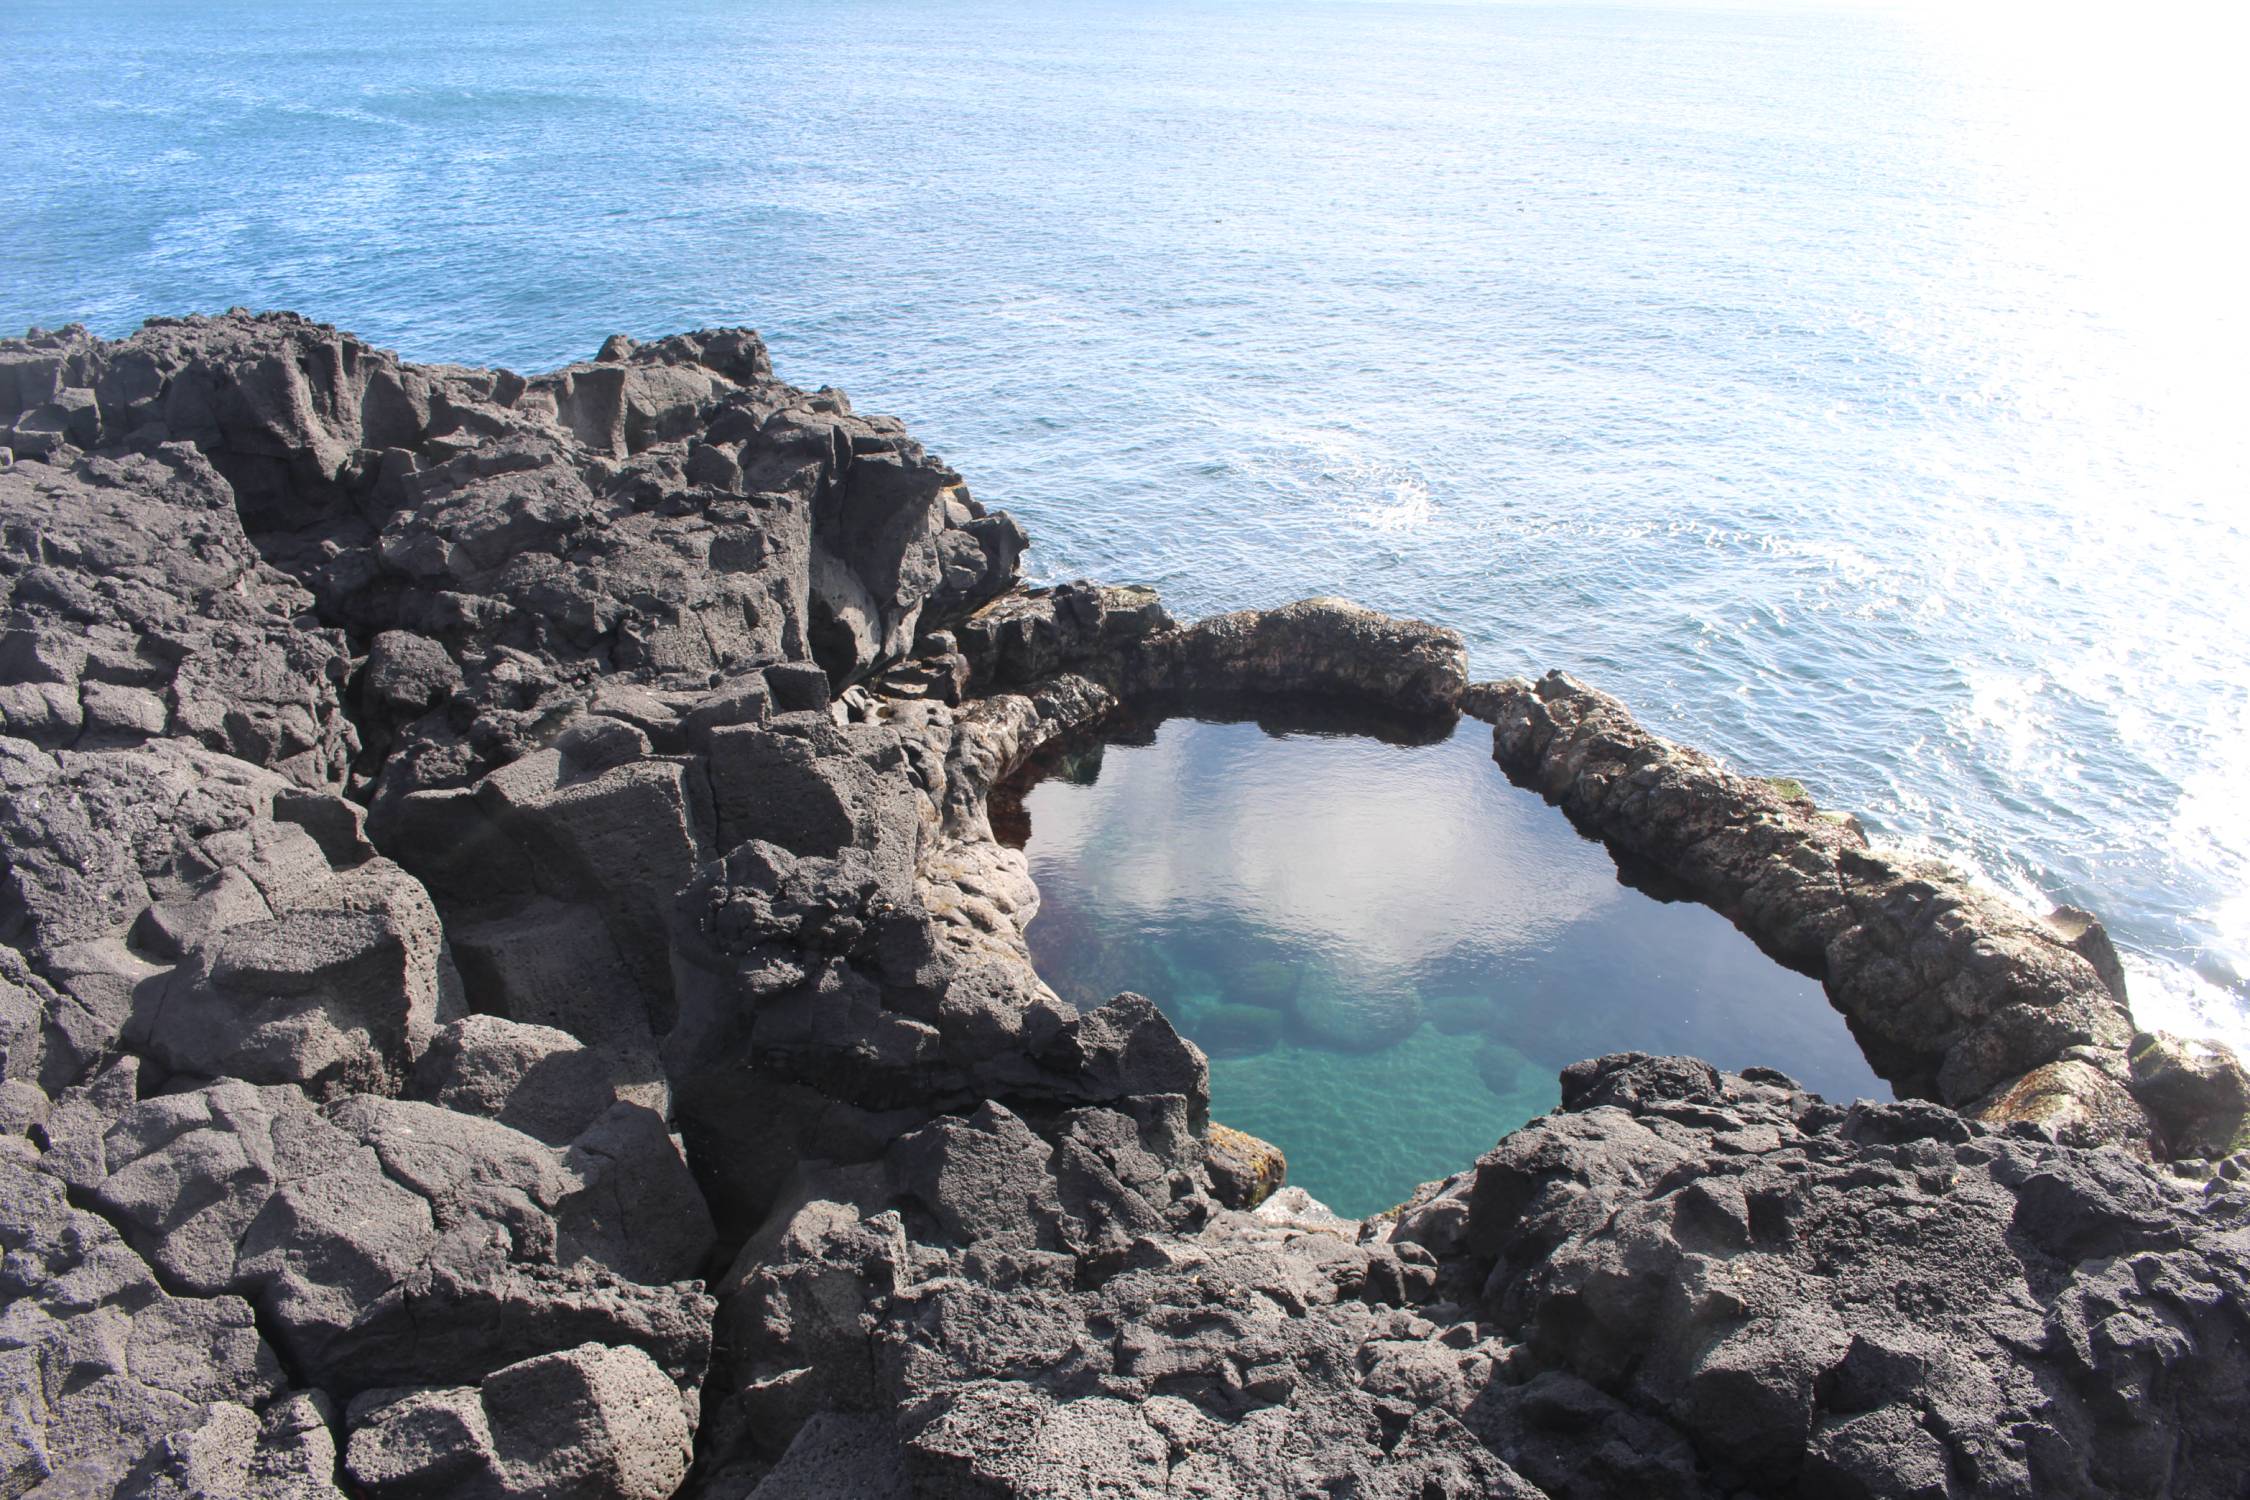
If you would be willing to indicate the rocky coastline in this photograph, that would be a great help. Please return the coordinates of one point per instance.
(508, 987)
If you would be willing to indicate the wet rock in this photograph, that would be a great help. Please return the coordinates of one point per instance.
(2084, 932)
(2070, 1100)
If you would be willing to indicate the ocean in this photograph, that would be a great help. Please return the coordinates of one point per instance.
(1856, 392)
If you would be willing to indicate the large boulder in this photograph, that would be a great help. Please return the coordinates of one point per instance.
(330, 1001)
(1329, 648)
(2197, 1092)
(214, 917)
(588, 1423)
(543, 1082)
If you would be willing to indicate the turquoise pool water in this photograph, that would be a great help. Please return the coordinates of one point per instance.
(1387, 950)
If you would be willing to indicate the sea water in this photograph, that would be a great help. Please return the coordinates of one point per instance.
(1858, 392)
(1386, 950)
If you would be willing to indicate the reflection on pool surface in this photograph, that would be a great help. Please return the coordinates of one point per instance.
(1387, 951)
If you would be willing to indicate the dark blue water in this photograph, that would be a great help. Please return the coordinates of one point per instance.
(1858, 392)
(1388, 952)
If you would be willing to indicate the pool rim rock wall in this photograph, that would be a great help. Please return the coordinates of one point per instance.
(1955, 994)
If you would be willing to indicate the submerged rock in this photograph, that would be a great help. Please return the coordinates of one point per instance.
(1332, 1013)
(1224, 1030)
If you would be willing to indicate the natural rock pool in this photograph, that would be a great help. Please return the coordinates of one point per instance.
(1386, 949)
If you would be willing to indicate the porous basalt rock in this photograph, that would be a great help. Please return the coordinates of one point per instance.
(116, 1385)
(1953, 993)
(509, 986)
(1886, 1299)
(2197, 1093)
(588, 1423)
(1245, 1171)
(1683, 1283)
(1123, 638)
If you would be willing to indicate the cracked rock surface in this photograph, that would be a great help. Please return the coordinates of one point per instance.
(508, 988)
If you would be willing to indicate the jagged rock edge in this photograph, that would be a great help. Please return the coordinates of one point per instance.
(1069, 655)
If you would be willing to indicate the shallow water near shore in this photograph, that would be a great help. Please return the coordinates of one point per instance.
(1386, 950)
(1856, 391)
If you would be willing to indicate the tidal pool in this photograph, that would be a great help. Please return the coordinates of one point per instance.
(1386, 949)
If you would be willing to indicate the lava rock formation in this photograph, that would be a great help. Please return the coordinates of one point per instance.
(508, 988)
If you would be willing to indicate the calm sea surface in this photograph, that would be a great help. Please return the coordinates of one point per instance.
(1859, 394)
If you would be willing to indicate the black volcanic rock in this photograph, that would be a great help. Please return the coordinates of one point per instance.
(1888, 1299)
(1953, 993)
(1685, 1283)
(508, 987)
